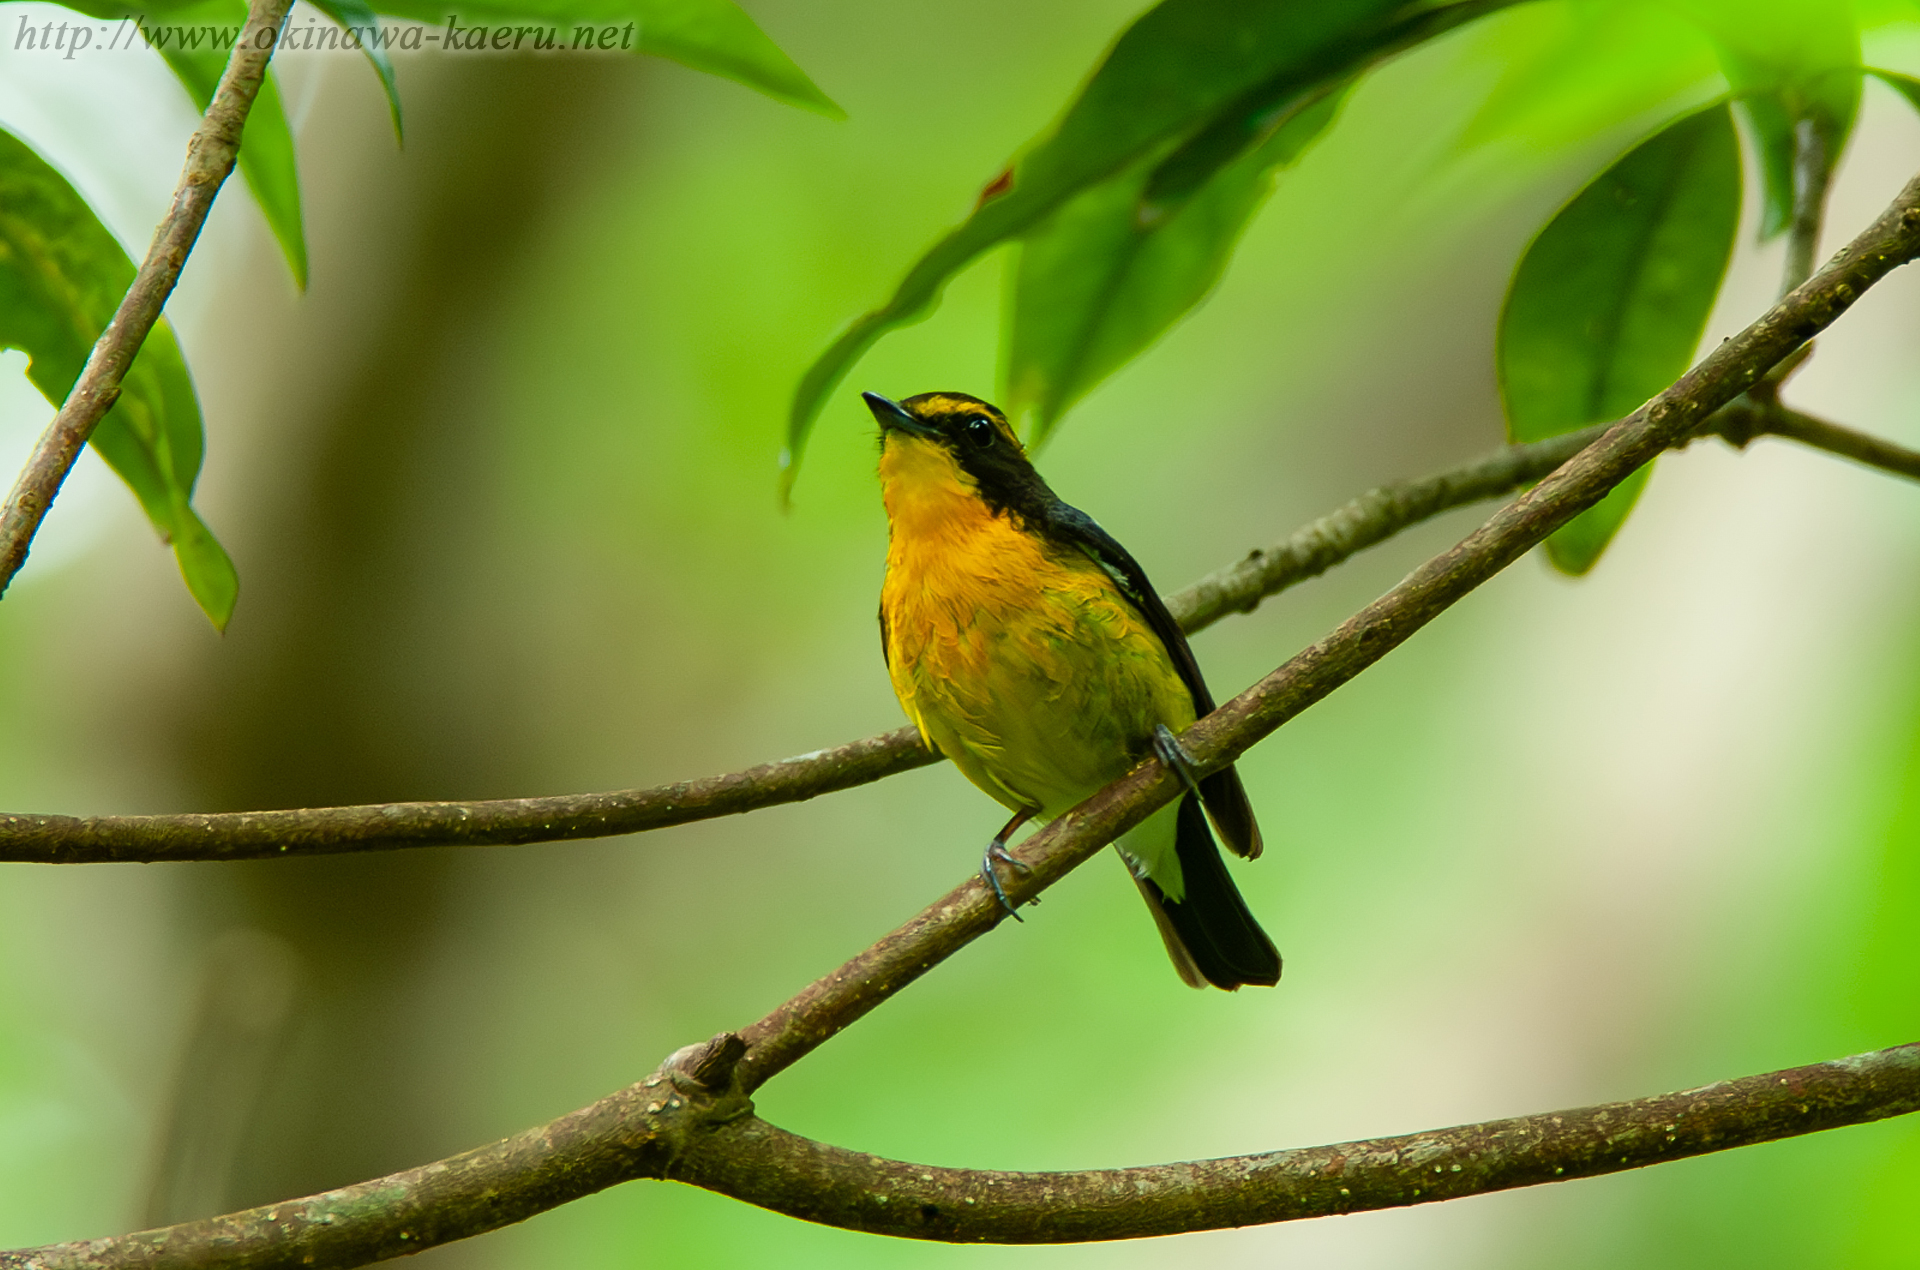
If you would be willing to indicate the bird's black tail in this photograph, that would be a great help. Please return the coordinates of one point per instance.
(1210, 934)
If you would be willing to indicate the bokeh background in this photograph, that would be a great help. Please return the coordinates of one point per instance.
(501, 489)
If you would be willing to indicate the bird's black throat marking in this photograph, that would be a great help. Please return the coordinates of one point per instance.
(1006, 478)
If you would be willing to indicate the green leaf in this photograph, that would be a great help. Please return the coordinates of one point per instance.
(1195, 81)
(1906, 85)
(709, 35)
(1108, 273)
(1610, 300)
(266, 148)
(1786, 61)
(1568, 72)
(61, 277)
(357, 17)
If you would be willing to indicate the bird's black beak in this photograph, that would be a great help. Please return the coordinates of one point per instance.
(894, 417)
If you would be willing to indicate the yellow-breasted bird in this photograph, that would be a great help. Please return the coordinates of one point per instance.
(1029, 647)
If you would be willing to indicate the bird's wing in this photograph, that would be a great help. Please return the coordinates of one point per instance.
(1225, 797)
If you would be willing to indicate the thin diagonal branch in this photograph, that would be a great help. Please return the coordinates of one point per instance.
(835, 1002)
(1240, 587)
(647, 1126)
(210, 158)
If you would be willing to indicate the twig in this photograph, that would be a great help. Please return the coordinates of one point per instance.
(1308, 552)
(210, 157)
(1812, 178)
(633, 1134)
(1370, 519)
(1774, 419)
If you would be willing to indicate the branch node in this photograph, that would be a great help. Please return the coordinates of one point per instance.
(708, 1068)
(1737, 423)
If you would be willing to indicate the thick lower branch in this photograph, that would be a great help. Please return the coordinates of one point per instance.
(634, 1133)
(688, 1123)
(760, 1164)
(1240, 587)
(210, 159)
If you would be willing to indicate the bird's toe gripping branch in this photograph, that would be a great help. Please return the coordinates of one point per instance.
(1167, 747)
(997, 853)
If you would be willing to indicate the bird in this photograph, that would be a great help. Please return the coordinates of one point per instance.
(1027, 646)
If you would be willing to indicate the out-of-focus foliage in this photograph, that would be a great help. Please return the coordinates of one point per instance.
(1788, 62)
(1906, 85)
(1110, 259)
(61, 278)
(197, 61)
(1187, 90)
(63, 262)
(266, 149)
(1610, 300)
(715, 36)
(1108, 273)
(359, 18)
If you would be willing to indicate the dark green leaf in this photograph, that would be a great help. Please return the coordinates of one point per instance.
(1190, 80)
(357, 17)
(1786, 61)
(1108, 273)
(709, 35)
(61, 277)
(1610, 300)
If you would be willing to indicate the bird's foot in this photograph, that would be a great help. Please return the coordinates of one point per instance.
(1167, 746)
(997, 851)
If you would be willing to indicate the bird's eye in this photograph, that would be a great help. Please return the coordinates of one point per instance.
(980, 433)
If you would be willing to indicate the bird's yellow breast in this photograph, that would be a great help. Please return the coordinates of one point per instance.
(1017, 658)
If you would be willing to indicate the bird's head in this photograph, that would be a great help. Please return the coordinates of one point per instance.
(951, 445)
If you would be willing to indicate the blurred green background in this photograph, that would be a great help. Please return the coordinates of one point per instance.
(501, 489)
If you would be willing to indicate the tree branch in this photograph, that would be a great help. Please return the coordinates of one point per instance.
(646, 1126)
(1813, 163)
(753, 1161)
(832, 1003)
(250, 835)
(688, 1122)
(1768, 417)
(1240, 587)
(210, 158)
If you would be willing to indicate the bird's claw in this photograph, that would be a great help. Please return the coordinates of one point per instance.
(1167, 746)
(997, 850)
